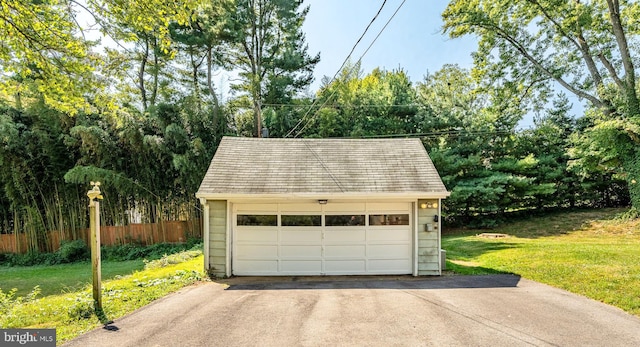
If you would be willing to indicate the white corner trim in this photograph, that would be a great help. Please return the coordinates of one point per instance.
(415, 238)
(205, 235)
(227, 262)
(440, 237)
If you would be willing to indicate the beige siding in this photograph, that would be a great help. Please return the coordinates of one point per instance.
(217, 237)
(428, 240)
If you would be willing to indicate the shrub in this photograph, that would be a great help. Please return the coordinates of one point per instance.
(29, 259)
(194, 243)
(121, 252)
(9, 301)
(72, 251)
(80, 307)
(153, 252)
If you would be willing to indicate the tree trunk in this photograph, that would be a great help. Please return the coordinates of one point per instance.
(627, 62)
(141, 73)
(632, 169)
(257, 116)
(194, 78)
(156, 73)
(212, 90)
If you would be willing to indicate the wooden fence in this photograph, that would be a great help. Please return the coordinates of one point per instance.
(145, 234)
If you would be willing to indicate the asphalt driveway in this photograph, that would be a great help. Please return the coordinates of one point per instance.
(498, 310)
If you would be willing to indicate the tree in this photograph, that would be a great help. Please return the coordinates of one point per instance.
(36, 198)
(45, 55)
(549, 141)
(200, 45)
(41, 54)
(470, 134)
(356, 105)
(147, 25)
(268, 48)
(58, 130)
(584, 47)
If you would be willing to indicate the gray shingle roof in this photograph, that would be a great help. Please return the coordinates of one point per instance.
(305, 166)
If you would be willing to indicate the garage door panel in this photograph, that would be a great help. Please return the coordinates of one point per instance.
(395, 266)
(301, 251)
(385, 207)
(388, 234)
(250, 267)
(388, 251)
(257, 251)
(336, 267)
(318, 246)
(345, 251)
(301, 207)
(312, 267)
(344, 235)
(257, 235)
(345, 206)
(297, 236)
(251, 208)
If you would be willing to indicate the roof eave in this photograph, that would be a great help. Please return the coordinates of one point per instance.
(324, 196)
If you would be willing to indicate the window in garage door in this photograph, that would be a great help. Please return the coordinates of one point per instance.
(301, 220)
(388, 219)
(258, 220)
(344, 220)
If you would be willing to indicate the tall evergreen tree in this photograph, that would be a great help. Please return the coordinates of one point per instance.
(269, 49)
(586, 47)
(471, 138)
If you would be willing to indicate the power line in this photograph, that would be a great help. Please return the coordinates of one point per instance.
(342, 105)
(318, 158)
(361, 36)
(435, 134)
(324, 166)
(308, 121)
(341, 66)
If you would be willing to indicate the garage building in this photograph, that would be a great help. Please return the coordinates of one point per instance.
(321, 207)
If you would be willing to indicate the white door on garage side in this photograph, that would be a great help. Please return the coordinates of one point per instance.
(313, 239)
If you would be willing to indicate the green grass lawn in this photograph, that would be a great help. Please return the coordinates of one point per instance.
(587, 252)
(58, 279)
(72, 313)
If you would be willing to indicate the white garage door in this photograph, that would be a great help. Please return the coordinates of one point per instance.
(314, 239)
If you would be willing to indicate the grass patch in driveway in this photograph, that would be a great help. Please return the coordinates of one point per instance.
(72, 313)
(587, 252)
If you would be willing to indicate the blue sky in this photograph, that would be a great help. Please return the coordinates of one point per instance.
(413, 40)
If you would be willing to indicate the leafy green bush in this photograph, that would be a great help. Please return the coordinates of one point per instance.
(121, 252)
(75, 251)
(28, 259)
(153, 252)
(69, 252)
(7, 301)
(80, 307)
(72, 251)
(10, 302)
